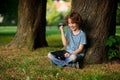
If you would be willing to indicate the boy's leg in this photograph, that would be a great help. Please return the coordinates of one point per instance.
(78, 63)
(54, 56)
(71, 59)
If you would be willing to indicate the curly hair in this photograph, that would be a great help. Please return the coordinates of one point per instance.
(75, 17)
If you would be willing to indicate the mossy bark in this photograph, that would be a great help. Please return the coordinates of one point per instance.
(99, 18)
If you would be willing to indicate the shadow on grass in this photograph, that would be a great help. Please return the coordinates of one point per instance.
(7, 34)
(5, 38)
(112, 76)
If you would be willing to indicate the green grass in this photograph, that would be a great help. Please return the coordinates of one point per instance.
(7, 33)
(49, 30)
(118, 30)
(17, 64)
(8, 30)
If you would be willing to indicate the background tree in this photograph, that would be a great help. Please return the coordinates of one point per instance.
(31, 24)
(118, 14)
(8, 10)
(99, 23)
(53, 16)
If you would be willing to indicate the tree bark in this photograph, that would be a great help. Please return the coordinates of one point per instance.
(31, 24)
(99, 18)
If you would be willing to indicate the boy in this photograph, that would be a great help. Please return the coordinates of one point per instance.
(74, 40)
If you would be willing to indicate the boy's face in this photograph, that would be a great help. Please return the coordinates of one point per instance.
(72, 26)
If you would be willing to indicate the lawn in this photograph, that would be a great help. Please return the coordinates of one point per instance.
(22, 64)
(49, 30)
(118, 30)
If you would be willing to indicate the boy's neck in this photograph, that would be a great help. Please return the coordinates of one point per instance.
(75, 32)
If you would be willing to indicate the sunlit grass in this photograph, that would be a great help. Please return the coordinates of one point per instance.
(54, 40)
(8, 29)
(49, 30)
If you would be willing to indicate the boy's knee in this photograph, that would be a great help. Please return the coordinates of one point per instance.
(49, 55)
(73, 57)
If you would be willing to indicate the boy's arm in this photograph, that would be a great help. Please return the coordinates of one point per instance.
(64, 40)
(79, 50)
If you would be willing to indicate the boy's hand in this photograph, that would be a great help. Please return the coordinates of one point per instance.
(66, 54)
(61, 28)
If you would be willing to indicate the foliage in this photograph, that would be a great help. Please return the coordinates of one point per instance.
(68, 0)
(118, 14)
(113, 42)
(53, 15)
(8, 10)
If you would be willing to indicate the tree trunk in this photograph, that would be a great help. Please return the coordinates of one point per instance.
(31, 24)
(99, 18)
